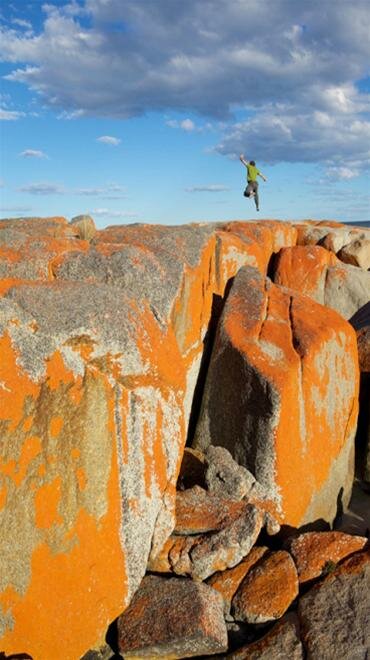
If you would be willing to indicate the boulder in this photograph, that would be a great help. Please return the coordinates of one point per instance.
(228, 581)
(172, 618)
(84, 226)
(224, 477)
(335, 614)
(282, 396)
(317, 552)
(101, 351)
(280, 643)
(357, 252)
(199, 556)
(268, 589)
(317, 273)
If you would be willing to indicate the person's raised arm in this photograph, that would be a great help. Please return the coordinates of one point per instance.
(242, 159)
(262, 176)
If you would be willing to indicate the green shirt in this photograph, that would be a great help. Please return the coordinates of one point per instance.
(252, 172)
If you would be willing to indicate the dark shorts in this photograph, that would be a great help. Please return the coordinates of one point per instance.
(251, 187)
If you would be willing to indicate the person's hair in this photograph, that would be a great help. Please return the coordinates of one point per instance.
(251, 162)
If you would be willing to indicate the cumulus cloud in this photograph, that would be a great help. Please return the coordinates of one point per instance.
(212, 188)
(33, 153)
(284, 64)
(109, 139)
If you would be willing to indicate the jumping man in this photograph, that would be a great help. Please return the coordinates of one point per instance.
(252, 173)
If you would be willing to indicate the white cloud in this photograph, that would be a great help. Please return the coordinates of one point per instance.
(111, 191)
(103, 212)
(212, 188)
(287, 64)
(109, 139)
(10, 115)
(22, 23)
(33, 153)
(43, 189)
(342, 173)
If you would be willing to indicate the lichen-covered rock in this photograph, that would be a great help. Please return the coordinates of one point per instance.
(357, 252)
(315, 272)
(172, 618)
(267, 590)
(228, 581)
(282, 396)
(84, 226)
(282, 642)
(335, 614)
(198, 511)
(101, 349)
(29, 247)
(315, 552)
(224, 477)
(199, 556)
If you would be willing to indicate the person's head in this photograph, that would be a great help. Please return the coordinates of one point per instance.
(252, 162)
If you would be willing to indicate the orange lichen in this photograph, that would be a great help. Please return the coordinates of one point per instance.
(3, 495)
(46, 504)
(16, 385)
(55, 426)
(56, 371)
(96, 564)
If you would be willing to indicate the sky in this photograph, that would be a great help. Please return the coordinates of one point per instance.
(138, 110)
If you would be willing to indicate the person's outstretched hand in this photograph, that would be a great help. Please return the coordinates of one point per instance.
(241, 156)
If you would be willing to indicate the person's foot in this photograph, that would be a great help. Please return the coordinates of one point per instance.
(257, 208)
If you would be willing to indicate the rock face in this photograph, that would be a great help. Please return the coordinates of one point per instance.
(335, 614)
(282, 395)
(172, 618)
(101, 346)
(317, 273)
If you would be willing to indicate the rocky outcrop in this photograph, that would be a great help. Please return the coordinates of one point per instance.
(101, 343)
(281, 396)
(105, 341)
(283, 641)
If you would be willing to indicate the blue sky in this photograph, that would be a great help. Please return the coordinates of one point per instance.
(137, 110)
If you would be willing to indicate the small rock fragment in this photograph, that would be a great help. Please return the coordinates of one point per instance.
(172, 617)
(224, 477)
(268, 589)
(313, 552)
(198, 511)
(335, 614)
(201, 555)
(282, 642)
(228, 581)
